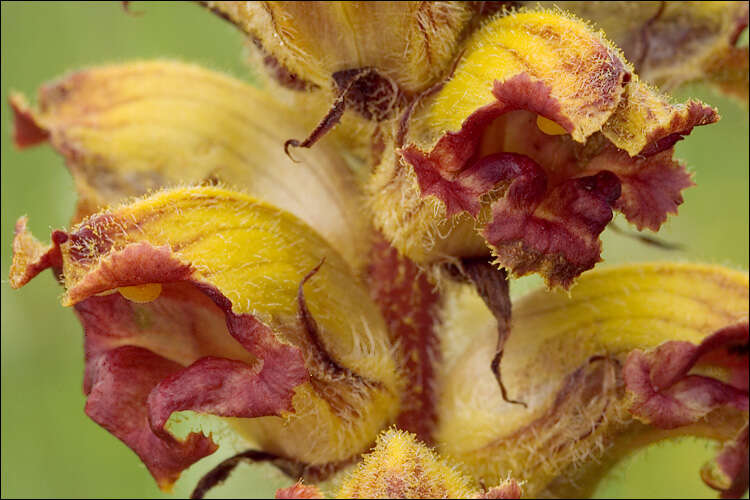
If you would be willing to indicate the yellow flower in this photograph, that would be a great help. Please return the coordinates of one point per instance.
(631, 356)
(312, 300)
(541, 132)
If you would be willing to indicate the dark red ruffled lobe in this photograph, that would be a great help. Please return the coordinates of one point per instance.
(230, 388)
(558, 233)
(651, 186)
(121, 380)
(729, 471)
(667, 393)
(181, 323)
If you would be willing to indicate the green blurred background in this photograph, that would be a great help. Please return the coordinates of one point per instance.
(50, 448)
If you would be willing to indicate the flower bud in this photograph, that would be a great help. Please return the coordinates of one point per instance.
(401, 467)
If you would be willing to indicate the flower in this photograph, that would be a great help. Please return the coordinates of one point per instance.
(251, 286)
(593, 367)
(536, 149)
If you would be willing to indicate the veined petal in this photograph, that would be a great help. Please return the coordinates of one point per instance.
(241, 309)
(544, 62)
(541, 131)
(409, 43)
(631, 356)
(370, 58)
(128, 129)
(671, 43)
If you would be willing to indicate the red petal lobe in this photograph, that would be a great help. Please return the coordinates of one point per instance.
(26, 131)
(299, 490)
(121, 382)
(667, 395)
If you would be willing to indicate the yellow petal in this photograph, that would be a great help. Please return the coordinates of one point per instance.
(564, 359)
(127, 129)
(583, 71)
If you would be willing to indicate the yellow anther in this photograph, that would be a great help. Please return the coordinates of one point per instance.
(549, 127)
(141, 293)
